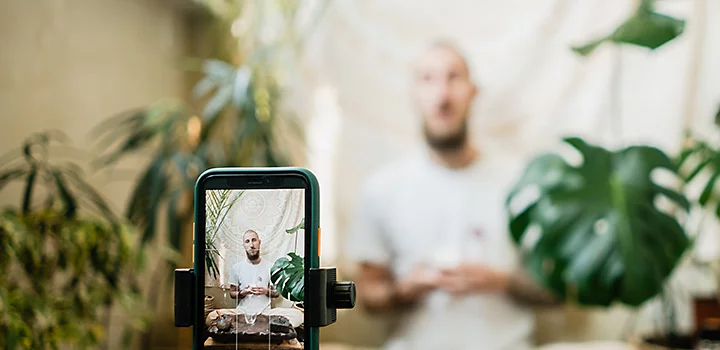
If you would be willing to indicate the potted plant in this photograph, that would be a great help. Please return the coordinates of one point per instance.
(698, 158)
(593, 233)
(288, 273)
(651, 29)
(67, 259)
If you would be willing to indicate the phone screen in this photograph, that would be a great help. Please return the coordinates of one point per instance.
(254, 268)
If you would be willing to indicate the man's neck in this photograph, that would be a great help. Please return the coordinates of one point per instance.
(256, 261)
(455, 159)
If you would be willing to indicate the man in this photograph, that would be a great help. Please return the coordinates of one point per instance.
(430, 231)
(250, 279)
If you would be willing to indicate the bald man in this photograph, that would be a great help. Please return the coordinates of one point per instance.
(250, 278)
(430, 232)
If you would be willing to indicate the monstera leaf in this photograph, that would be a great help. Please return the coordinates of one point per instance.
(645, 28)
(298, 227)
(288, 275)
(600, 236)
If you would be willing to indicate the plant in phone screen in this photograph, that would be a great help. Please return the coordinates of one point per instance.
(217, 207)
(294, 230)
(288, 274)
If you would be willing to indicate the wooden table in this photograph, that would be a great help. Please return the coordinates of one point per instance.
(292, 344)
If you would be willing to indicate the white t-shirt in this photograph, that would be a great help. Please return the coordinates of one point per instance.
(245, 274)
(417, 212)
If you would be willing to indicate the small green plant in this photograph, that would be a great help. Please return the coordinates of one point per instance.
(66, 259)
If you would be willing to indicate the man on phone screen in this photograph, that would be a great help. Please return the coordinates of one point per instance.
(430, 231)
(250, 278)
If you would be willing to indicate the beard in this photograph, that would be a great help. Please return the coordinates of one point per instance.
(251, 256)
(447, 143)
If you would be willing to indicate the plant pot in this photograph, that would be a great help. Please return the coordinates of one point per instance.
(298, 305)
(209, 305)
(665, 342)
(705, 308)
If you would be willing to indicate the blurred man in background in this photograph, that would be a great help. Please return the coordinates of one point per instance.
(430, 230)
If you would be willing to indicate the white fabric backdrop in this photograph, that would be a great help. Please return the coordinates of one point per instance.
(535, 90)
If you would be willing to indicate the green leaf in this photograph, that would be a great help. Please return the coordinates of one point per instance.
(298, 291)
(587, 49)
(674, 196)
(288, 275)
(709, 186)
(174, 221)
(95, 198)
(204, 86)
(143, 207)
(707, 159)
(698, 169)
(29, 183)
(68, 199)
(141, 129)
(109, 131)
(520, 223)
(217, 102)
(645, 28)
(10, 175)
(601, 234)
(685, 154)
(648, 29)
(217, 206)
(240, 88)
(219, 71)
(296, 228)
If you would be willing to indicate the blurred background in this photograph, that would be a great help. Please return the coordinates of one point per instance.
(110, 109)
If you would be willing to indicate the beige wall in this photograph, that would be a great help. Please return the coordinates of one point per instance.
(67, 64)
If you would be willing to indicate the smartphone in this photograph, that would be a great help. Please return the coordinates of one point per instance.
(256, 238)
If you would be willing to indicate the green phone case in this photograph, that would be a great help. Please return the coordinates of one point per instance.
(312, 259)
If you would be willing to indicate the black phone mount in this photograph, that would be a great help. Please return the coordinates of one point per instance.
(324, 295)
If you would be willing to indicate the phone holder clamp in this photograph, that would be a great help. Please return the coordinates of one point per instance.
(324, 295)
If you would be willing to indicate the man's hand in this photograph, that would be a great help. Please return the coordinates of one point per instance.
(246, 291)
(239, 294)
(259, 290)
(468, 278)
(420, 282)
(379, 290)
(482, 279)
